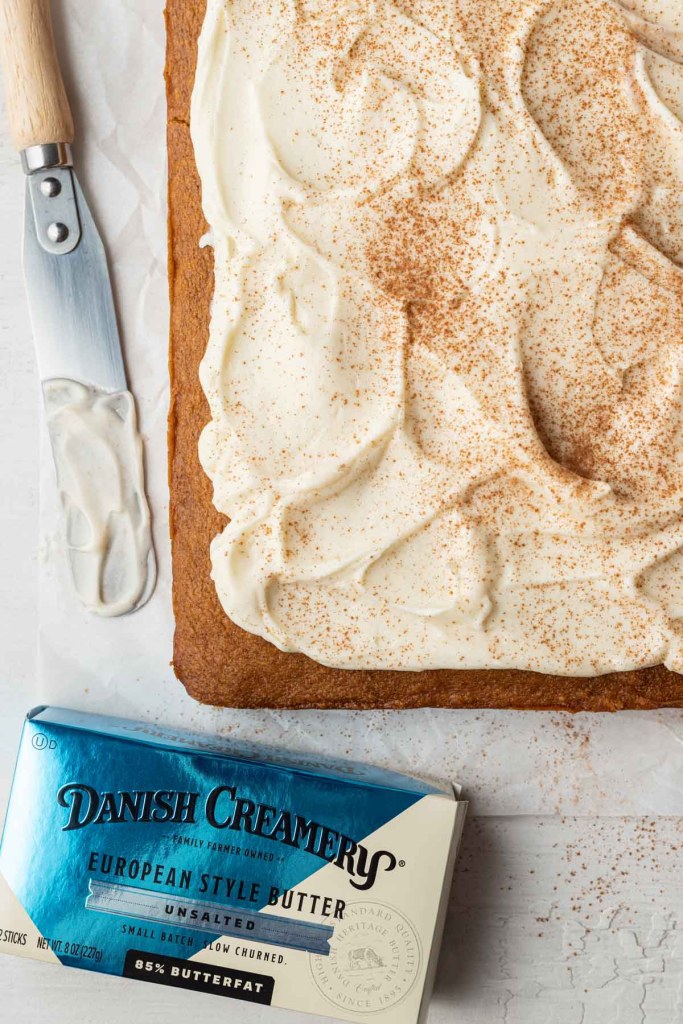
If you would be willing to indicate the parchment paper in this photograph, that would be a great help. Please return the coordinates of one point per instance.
(508, 762)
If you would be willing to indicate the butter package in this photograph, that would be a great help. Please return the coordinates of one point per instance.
(187, 861)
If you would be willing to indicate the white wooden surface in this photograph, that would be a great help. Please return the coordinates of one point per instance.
(554, 919)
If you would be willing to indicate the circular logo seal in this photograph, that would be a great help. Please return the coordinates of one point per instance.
(374, 959)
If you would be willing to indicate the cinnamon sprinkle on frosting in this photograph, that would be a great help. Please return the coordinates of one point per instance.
(444, 369)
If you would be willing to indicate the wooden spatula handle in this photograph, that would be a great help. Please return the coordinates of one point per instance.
(37, 105)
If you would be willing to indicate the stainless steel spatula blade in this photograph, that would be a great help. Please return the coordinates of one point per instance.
(70, 299)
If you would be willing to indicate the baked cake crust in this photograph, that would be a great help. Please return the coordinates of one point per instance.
(218, 662)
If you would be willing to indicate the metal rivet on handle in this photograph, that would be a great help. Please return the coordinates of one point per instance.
(50, 187)
(55, 217)
(57, 232)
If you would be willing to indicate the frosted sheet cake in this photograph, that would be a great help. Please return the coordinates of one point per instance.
(442, 373)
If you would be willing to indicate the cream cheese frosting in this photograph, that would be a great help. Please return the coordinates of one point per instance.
(97, 453)
(444, 365)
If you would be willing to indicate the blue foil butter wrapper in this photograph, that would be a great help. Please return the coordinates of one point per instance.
(192, 862)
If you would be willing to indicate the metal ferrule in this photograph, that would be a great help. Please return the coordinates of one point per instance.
(41, 158)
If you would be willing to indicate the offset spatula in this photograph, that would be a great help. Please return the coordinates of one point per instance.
(90, 412)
